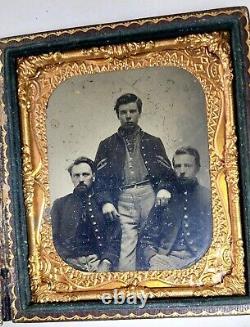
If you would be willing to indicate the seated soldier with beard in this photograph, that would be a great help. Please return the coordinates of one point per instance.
(81, 235)
(179, 234)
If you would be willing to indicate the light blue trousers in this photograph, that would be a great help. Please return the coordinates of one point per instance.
(134, 206)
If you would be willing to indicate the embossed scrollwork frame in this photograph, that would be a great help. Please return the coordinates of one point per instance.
(206, 56)
(207, 53)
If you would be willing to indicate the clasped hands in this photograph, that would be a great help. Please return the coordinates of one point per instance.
(90, 263)
(162, 198)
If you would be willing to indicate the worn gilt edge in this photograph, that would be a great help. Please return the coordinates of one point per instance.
(242, 310)
(126, 24)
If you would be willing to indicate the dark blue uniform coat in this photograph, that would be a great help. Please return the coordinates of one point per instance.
(79, 229)
(188, 216)
(110, 159)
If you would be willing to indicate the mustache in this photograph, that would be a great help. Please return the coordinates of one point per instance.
(81, 184)
(82, 187)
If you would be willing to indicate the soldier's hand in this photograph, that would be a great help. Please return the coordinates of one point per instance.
(104, 265)
(110, 211)
(158, 261)
(162, 197)
(79, 263)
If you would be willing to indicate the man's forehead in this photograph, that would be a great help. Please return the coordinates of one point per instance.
(184, 157)
(128, 106)
(81, 168)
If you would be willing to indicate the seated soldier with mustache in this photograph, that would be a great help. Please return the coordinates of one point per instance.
(179, 234)
(82, 237)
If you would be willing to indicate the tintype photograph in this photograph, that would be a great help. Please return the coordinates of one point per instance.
(129, 170)
(125, 168)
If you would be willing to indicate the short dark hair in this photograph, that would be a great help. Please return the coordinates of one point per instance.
(80, 160)
(128, 98)
(189, 150)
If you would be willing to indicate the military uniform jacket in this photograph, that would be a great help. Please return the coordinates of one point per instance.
(188, 216)
(79, 229)
(110, 159)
